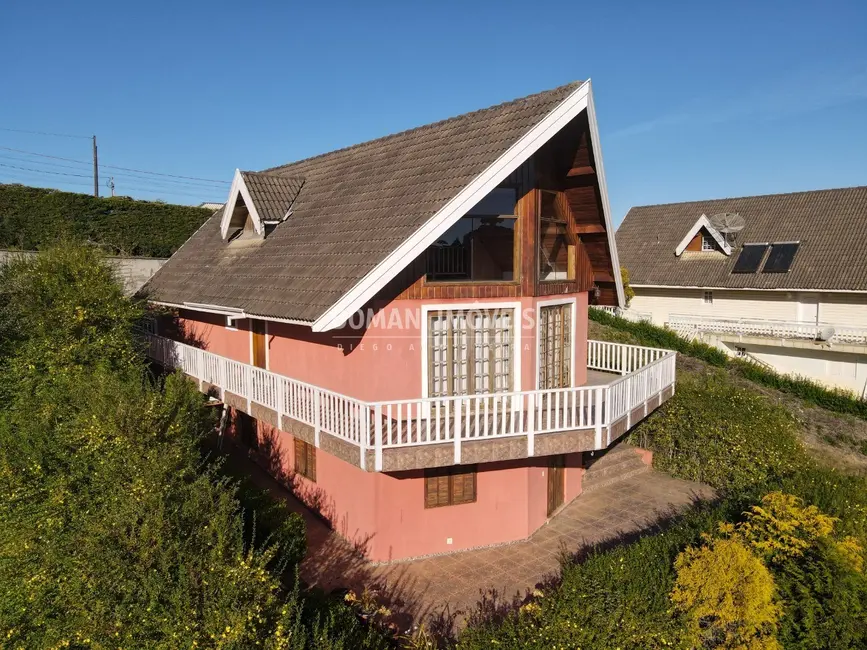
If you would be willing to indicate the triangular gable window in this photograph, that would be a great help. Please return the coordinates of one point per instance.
(703, 237)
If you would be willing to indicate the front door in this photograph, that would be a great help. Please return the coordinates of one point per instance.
(556, 482)
(259, 343)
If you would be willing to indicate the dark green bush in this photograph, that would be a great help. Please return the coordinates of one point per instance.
(114, 530)
(660, 337)
(33, 218)
(831, 399)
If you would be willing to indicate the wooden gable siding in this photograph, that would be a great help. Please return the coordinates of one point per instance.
(561, 166)
(695, 243)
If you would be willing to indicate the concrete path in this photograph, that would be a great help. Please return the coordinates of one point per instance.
(450, 586)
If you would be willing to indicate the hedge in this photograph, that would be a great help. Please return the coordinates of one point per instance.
(831, 399)
(33, 218)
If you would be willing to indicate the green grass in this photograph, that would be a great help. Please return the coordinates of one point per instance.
(838, 401)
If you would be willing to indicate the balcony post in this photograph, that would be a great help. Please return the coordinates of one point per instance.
(365, 437)
(248, 387)
(597, 415)
(317, 416)
(531, 424)
(458, 426)
(377, 440)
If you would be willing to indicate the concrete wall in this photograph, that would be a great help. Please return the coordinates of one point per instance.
(833, 308)
(843, 367)
(132, 272)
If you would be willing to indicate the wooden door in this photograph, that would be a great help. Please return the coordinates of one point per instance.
(556, 482)
(259, 344)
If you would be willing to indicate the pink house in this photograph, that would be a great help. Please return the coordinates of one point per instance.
(399, 328)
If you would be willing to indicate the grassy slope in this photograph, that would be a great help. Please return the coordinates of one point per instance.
(838, 440)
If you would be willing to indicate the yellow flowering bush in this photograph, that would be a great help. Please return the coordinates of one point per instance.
(727, 595)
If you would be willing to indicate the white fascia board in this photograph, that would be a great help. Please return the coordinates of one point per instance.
(418, 242)
(783, 289)
(239, 187)
(703, 222)
(235, 314)
(596, 143)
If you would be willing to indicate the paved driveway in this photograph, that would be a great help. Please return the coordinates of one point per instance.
(454, 583)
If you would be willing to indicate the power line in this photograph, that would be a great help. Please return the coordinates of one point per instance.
(59, 135)
(124, 177)
(43, 171)
(126, 169)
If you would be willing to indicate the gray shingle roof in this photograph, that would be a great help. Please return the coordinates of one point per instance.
(830, 224)
(357, 205)
(272, 194)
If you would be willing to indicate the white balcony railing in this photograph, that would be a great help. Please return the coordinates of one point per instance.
(688, 324)
(455, 420)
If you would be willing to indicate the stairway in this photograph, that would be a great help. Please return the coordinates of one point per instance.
(617, 463)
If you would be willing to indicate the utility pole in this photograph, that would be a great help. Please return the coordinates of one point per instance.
(95, 170)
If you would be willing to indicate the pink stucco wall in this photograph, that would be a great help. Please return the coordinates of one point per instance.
(384, 514)
(380, 362)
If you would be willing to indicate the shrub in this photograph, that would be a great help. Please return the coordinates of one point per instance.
(728, 596)
(33, 218)
(628, 291)
(720, 433)
(839, 401)
(114, 530)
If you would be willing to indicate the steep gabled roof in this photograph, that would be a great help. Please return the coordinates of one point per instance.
(831, 226)
(363, 213)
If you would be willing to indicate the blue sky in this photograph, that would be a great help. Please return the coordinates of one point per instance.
(694, 100)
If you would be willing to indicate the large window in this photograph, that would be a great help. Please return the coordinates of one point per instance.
(449, 486)
(470, 352)
(554, 249)
(481, 245)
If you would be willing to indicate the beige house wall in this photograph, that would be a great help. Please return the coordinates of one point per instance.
(822, 363)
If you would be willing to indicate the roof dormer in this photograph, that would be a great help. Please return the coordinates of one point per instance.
(703, 237)
(258, 200)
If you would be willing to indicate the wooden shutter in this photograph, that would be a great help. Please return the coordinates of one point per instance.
(300, 457)
(311, 462)
(449, 486)
(305, 459)
(258, 328)
(463, 488)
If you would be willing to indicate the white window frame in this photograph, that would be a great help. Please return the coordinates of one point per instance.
(707, 297)
(707, 244)
(471, 306)
(538, 354)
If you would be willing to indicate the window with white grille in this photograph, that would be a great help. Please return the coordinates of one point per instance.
(470, 352)
(555, 346)
(708, 297)
(707, 243)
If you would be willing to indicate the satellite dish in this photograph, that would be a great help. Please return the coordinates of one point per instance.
(728, 223)
(826, 333)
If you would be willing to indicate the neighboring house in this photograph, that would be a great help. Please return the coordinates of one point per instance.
(210, 206)
(400, 327)
(780, 279)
